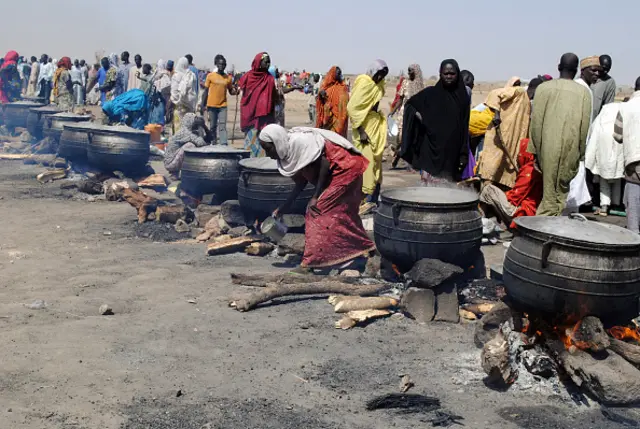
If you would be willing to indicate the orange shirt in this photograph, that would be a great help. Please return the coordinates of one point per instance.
(218, 86)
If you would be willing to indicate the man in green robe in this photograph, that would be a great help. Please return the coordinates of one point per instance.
(559, 127)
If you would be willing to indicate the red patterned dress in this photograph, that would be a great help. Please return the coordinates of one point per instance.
(336, 234)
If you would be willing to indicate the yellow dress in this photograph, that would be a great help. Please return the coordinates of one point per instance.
(364, 96)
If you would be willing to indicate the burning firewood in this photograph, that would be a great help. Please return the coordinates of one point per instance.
(230, 246)
(630, 352)
(588, 334)
(352, 318)
(500, 355)
(361, 304)
(273, 291)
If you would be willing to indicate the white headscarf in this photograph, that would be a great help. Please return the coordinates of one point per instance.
(300, 146)
(375, 67)
(182, 92)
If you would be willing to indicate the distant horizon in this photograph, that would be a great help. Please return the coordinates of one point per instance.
(494, 42)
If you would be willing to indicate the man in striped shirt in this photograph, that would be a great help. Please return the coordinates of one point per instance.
(626, 130)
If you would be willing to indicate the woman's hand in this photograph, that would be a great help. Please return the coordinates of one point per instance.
(364, 137)
(313, 205)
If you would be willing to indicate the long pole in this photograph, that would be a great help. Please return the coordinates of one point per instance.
(235, 117)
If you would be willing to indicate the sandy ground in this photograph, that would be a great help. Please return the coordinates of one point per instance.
(161, 362)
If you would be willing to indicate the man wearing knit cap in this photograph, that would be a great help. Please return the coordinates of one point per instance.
(559, 128)
(604, 90)
(589, 73)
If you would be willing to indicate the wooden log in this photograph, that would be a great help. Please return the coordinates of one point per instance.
(612, 381)
(170, 214)
(589, 334)
(361, 304)
(262, 280)
(630, 352)
(479, 309)
(51, 175)
(143, 203)
(15, 156)
(335, 299)
(230, 246)
(153, 181)
(352, 318)
(259, 249)
(320, 288)
(222, 238)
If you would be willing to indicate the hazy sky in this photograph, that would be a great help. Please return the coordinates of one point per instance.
(494, 39)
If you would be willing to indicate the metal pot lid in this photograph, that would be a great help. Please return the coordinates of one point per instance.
(45, 109)
(218, 149)
(578, 229)
(260, 164)
(23, 104)
(120, 129)
(84, 126)
(34, 99)
(67, 116)
(430, 196)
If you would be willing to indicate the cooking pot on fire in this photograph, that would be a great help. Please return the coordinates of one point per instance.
(35, 119)
(212, 170)
(54, 124)
(15, 114)
(573, 266)
(262, 189)
(119, 148)
(425, 222)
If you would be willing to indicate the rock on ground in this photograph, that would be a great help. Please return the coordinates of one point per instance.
(429, 273)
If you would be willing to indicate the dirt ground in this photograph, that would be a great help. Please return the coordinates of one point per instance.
(162, 362)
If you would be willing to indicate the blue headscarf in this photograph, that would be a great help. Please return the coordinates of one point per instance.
(272, 71)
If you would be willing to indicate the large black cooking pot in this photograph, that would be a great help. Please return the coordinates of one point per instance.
(212, 170)
(435, 223)
(118, 148)
(53, 124)
(15, 114)
(35, 119)
(74, 140)
(262, 189)
(575, 267)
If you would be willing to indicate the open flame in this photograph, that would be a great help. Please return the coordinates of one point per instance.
(568, 337)
(623, 333)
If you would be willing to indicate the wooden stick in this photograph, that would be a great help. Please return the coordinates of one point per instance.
(262, 280)
(273, 291)
(630, 352)
(361, 304)
(230, 246)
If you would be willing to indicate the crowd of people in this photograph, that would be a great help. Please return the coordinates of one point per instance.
(541, 148)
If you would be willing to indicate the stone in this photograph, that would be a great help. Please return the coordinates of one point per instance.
(232, 213)
(291, 244)
(26, 137)
(204, 213)
(182, 226)
(105, 310)
(429, 273)
(293, 221)
(38, 304)
(372, 268)
(420, 304)
(196, 232)
(447, 305)
(489, 326)
(239, 231)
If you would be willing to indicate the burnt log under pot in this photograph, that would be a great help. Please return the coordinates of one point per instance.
(118, 148)
(212, 170)
(428, 223)
(262, 189)
(574, 267)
